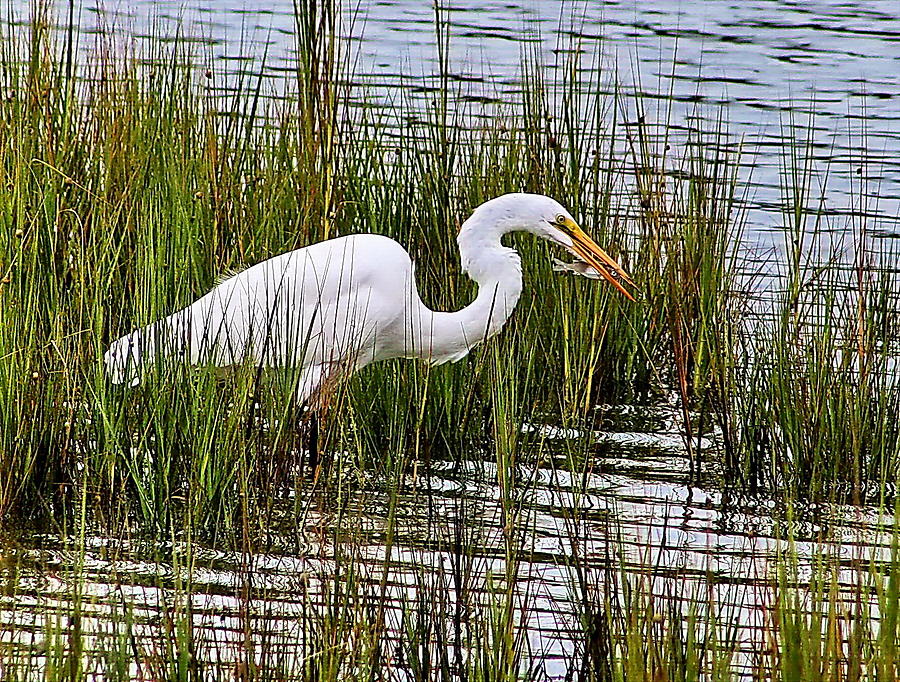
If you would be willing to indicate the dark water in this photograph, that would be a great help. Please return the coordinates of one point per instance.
(766, 66)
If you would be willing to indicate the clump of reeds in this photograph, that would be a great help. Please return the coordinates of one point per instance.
(128, 189)
(809, 401)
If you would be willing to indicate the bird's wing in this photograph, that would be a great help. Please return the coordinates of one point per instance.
(321, 304)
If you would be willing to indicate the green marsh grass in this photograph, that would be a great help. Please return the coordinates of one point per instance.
(145, 192)
(810, 396)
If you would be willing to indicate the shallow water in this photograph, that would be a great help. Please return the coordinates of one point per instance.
(642, 518)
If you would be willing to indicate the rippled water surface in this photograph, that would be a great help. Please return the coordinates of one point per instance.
(769, 65)
(641, 517)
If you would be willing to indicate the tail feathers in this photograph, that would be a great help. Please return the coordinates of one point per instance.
(121, 359)
(127, 356)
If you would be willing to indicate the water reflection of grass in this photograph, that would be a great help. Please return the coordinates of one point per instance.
(126, 190)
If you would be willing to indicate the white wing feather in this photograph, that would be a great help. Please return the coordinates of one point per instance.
(338, 302)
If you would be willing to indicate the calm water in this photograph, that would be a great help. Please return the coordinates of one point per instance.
(764, 64)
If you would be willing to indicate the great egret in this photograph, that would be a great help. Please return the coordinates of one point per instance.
(338, 305)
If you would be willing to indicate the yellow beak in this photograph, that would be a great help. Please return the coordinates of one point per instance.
(587, 250)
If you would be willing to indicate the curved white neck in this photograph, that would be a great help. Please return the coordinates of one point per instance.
(497, 271)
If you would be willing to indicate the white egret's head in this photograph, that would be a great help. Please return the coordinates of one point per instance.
(548, 219)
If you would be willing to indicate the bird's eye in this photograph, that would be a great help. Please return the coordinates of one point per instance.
(561, 220)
